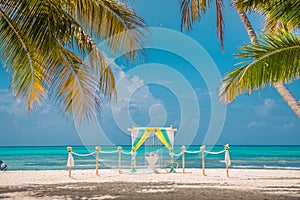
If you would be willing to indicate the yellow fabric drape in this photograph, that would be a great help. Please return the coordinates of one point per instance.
(160, 136)
(142, 140)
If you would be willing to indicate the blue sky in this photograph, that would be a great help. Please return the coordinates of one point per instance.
(261, 118)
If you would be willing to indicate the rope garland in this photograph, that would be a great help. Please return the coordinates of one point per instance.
(108, 151)
(127, 153)
(214, 153)
(104, 152)
(174, 154)
(192, 151)
(89, 154)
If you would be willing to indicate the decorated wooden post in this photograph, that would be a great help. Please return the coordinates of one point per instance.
(133, 161)
(70, 162)
(227, 159)
(97, 158)
(120, 158)
(183, 161)
(172, 163)
(202, 148)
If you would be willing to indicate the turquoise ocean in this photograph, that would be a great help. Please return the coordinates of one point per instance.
(242, 157)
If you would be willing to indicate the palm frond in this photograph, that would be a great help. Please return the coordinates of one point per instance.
(75, 86)
(86, 45)
(220, 22)
(284, 12)
(44, 43)
(111, 21)
(29, 77)
(275, 27)
(195, 12)
(191, 11)
(273, 60)
(186, 15)
(250, 5)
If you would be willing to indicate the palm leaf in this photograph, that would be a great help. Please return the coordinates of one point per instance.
(250, 5)
(273, 60)
(220, 22)
(28, 74)
(76, 86)
(191, 11)
(278, 12)
(287, 12)
(111, 21)
(39, 39)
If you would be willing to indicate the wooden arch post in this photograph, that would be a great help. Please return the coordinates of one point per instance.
(202, 148)
(98, 148)
(120, 158)
(183, 159)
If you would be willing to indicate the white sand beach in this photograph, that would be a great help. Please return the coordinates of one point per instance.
(84, 184)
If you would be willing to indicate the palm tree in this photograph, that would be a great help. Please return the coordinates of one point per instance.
(44, 43)
(279, 14)
(275, 60)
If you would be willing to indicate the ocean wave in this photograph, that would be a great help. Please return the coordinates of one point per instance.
(280, 167)
(264, 167)
(245, 166)
(85, 165)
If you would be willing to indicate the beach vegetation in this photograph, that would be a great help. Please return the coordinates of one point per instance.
(49, 49)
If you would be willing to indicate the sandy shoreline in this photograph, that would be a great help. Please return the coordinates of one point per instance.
(84, 184)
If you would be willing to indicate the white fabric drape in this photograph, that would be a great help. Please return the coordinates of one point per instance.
(134, 134)
(70, 162)
(170, 133)
(227, 158)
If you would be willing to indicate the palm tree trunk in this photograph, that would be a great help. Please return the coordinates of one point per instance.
(279, 86)
(288, 97)
(248, 26)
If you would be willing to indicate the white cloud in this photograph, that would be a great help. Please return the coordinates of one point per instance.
(13, 106)
(9, 105)
(266, 108)
(286, 126)
(135, 103)
(5, 96)
(255, 124)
